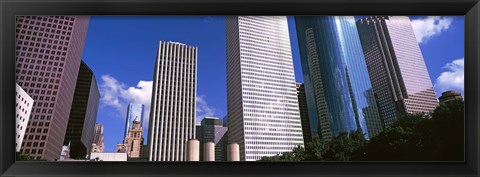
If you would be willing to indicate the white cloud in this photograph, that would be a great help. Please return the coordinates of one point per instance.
(117, 95)
(427, 27)
(453, 78)
(203, 109)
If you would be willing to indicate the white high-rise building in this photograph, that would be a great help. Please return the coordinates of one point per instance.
(263, 113)
(23, 105)
(172, 112)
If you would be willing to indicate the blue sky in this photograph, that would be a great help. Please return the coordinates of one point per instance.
(121, 51)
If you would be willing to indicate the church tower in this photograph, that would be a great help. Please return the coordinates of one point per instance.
(133, 141)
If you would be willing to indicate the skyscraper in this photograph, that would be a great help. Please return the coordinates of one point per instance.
(133, 110)
(172, 113)
(48, 56)
(98, 144)
(302, 105)
(212, 129)
(396, 67)
(336, 77)
(83, 114)
(23, 105)
(262, 102)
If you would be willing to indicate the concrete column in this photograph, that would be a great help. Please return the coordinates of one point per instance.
(233, 152)
(193, 150)
(209, 151)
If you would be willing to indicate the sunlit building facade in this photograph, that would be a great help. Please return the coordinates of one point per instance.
(47, 56)
(400, 79)
(263, 113)
(98, 142)
(172, 112)
(23, 106)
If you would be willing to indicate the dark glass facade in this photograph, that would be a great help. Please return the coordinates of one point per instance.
(337, 86)
(212, 129)
(83, 115)
(302, 105)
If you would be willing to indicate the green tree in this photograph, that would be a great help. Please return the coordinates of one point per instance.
(343, 146)
(20, 156)
(315, 150)
(446, 138)
(438, 136)
(297, 154)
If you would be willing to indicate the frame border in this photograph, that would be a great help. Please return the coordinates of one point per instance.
(9, 8)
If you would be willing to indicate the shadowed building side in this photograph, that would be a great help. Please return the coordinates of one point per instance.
(83, 115)
(302, 104)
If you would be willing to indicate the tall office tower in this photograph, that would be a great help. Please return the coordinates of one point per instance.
(336, 77)
(302, 105)
(133, 141)
(98, 143)
(133, 110)
(212, 129)
(48, 56)
(396, 67)
(263, 113)
(172, 112)
(83, 114)
(23, 105)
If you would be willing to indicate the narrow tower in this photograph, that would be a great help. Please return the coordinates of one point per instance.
(172, 113)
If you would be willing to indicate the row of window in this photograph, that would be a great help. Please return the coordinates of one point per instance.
(41, 45)
(40, 124)
(33, 151)
(43, 40)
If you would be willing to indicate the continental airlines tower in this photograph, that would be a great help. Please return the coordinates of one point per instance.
(262, 102)
(172, 112)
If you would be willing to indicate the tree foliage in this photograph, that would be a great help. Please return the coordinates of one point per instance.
(438, 136)
(21, 156)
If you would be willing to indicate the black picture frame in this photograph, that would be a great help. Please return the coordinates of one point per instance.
(9, 8)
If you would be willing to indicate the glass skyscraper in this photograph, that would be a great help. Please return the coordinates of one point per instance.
(263, 113)
(338, 89)
(133, 110)
(396, 67)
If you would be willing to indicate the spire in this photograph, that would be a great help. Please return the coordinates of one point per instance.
(136, 120)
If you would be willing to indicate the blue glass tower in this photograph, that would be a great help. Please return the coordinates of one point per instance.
(133, 110)
(337, 85)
